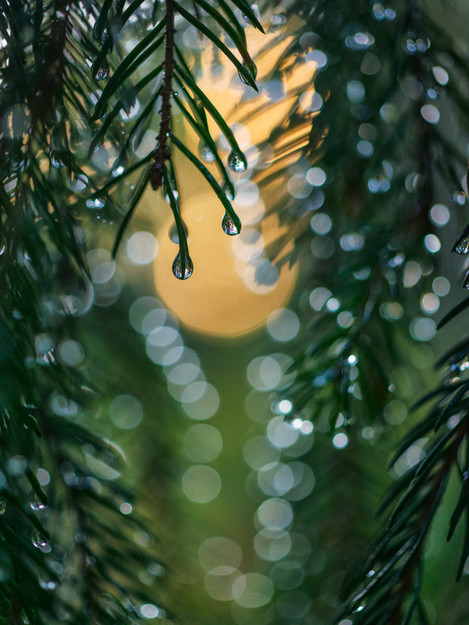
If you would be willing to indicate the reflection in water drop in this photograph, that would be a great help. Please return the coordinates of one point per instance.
(251, 68)
(182, 266)
(102, 72)
(237, 161)
(229, 226)
(37, 506)
(38, 540)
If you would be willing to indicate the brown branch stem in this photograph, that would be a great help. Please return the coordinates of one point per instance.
(162, 152)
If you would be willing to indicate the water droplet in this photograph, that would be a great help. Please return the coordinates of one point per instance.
(95, 202)
(229, 226)
(206, 153)
(3, 507)
(37, 506)
(100, 33)
(251, 68)
(182, 266)
(102, 72)
(48, 585)
(228, 190)
(237, 161)
(462, 244)
(56, 161)
(38, 540)
(173, 233)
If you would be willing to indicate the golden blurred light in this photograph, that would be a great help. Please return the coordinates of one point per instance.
(235, 286)
(222, 297)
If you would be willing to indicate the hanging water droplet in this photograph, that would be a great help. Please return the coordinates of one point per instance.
(56, 161)
(229, 226)
(182, 266)
(237, 161)
(100, 33)
(252, 69)
(174, 235)
(95, 202)
(48, 585)
(228, 190)
(38, 540)
(102, 72)
(206, 153)
(3, 507)
(37, 506)
(462, 244)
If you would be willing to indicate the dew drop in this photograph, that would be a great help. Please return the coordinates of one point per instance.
(100, 33)
(206, 153)
(94, 202)
(174, 235)
(56, 161)
(237, 161)
(229, 226)
(38, 540)
(182, 266)
(462, 244)
(252, 69)
(3, 507)
(228, 190)
(102, 72)
(37, 506)
(48, 585)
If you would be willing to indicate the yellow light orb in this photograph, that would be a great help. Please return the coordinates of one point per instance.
(234, 286)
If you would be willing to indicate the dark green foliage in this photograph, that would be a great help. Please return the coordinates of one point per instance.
(68, 541)
(386, 77)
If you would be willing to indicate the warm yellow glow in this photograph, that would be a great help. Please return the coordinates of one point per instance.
(218, 298)
(233, 288)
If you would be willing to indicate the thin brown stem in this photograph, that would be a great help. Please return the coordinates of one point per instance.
(162, 152)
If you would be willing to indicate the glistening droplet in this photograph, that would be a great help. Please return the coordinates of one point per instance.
(102, 72)
(228, 190)
(237, 161)
(252, 69)
(462, 244)
(94, 202)
(206, 153)
(174, 235)
(229, 226)
(182, 266)
(38, 540)
(37, 506)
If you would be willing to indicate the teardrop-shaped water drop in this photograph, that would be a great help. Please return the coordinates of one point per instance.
(38, 540)
(37, 506)
(252, 69)
(206, 153)
(229, 226)
(102, 72)
(182, 266)
(3, 507)
(237, 161)
(100, 32)
(462, 244)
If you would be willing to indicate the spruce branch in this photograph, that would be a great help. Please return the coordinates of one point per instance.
(174, 67)
(162, 152)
